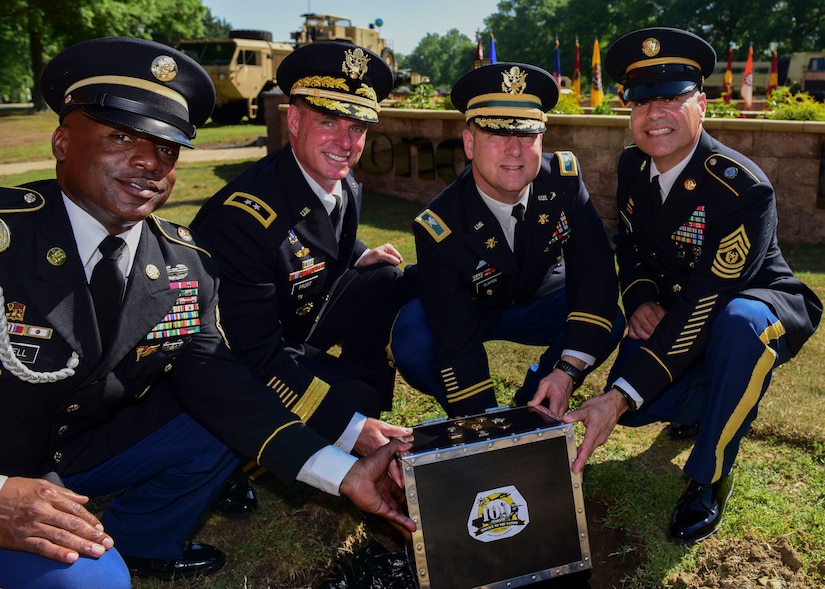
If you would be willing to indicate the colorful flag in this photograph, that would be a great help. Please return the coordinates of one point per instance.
(557, 70)
(773, 77)
(596, 90)
(747, 80)
(727, 81)
(577, 72)
(492, 48)
(479, 50)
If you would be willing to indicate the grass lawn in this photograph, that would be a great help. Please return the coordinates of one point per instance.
(636, 476)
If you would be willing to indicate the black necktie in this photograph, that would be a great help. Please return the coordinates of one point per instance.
(518, 246)
(656, 192)
(335, 214)
(106, 286)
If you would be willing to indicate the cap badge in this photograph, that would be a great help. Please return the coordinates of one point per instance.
(164, 68)
(514, 81)
(651, 47)
(355, 63)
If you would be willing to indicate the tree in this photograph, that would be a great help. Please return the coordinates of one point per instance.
(443, 59)
(42, 28)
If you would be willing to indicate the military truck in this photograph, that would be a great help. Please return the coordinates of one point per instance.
(327, 27)
(244, 66)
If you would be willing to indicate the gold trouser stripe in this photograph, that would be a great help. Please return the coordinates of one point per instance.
(750, 398)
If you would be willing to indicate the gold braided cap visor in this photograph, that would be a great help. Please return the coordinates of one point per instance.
(139, 83)
(341, 103)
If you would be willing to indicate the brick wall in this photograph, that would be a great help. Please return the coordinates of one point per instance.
(414, 154)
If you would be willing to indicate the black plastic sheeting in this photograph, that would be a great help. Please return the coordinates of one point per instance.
(373, 567)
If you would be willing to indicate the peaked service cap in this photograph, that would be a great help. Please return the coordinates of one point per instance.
(338, 78)
(132, 83)
(659, 62)
(506, 98)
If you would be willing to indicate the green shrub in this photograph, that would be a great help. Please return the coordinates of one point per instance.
(568, 104)
(424, 96)
(786, 106)
(722, 110)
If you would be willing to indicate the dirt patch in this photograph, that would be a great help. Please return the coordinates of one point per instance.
(737, 563)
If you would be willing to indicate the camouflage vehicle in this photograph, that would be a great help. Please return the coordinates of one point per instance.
(243, 67)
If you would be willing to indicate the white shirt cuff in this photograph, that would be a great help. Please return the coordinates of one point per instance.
(326, 469)
(347, 440)
(3, 479)
(625, 386)
(586, 358)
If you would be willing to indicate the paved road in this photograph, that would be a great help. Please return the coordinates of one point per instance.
(186, 155)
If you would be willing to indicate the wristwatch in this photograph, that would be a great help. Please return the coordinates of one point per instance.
(631, 402)
(575, 373)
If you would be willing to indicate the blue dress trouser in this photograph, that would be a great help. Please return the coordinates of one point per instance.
(169, 480)
(720, 391)
(541, 322)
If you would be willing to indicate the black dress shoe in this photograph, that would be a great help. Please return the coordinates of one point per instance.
(699, 511)
(237, 499)
(197, 559)
(680, 431)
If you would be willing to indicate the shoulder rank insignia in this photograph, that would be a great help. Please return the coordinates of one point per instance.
(730, 173)
(181, 234)
(253, 205)
(433, 224)
(20, 200)
(568, 165)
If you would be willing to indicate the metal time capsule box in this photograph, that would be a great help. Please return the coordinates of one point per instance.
(494, 500)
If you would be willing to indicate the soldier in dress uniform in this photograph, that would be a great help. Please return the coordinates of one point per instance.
(547, 279)
(712, 307)
(115, 375)
(295, 280)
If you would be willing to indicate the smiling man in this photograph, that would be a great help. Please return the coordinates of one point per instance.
(295, 280)
(712, 307)
(546, 280)
(116, 379)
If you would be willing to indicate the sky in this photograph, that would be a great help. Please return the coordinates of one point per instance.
(405, 21)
